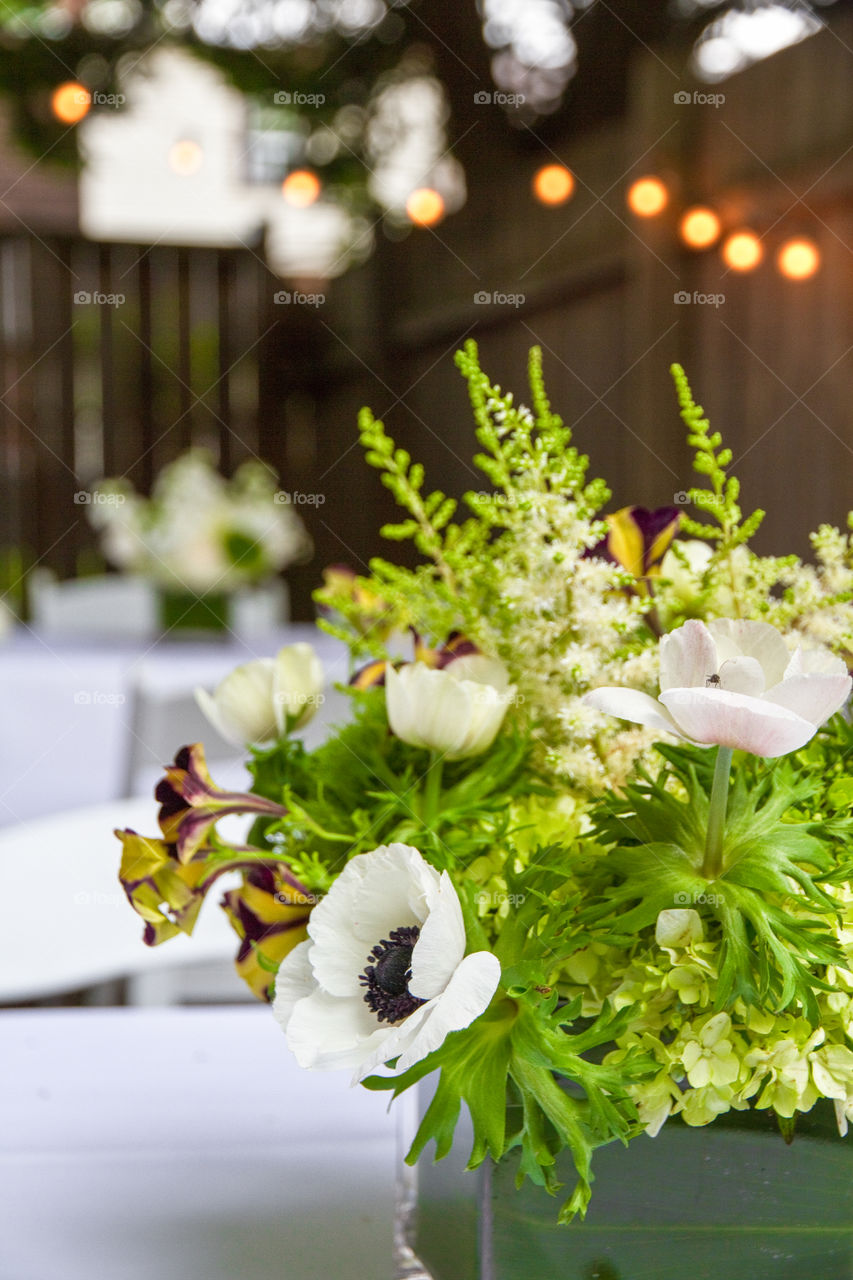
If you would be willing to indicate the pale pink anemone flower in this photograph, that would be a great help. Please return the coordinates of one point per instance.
(734, 683)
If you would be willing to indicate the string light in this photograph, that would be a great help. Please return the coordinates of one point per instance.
(553, 184)
(425, 207)
(647, 197)
(185, 157)
(301, 188)
(699, 227)
(70, 102)
(798, 259)
(742, 251)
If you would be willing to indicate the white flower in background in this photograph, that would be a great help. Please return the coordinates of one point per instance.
(456, 710)
(260, 700)
(198, 531)
(735, 684)
(384, 974)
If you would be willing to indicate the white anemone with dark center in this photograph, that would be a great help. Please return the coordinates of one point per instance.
(384, 974)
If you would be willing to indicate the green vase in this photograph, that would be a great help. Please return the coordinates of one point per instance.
(184, 615)
(730, 1201)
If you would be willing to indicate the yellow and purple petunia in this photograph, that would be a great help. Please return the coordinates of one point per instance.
(638, 539)
(372, 676)
(270, 913)
(191, 803)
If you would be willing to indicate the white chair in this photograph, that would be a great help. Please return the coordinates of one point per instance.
(117, 606)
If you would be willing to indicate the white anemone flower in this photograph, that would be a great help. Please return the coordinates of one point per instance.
(384, 973)
(260, 700)
(733, 683)
(456, 710)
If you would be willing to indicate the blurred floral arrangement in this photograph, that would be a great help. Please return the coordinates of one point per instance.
(486, 873)
(199, 532)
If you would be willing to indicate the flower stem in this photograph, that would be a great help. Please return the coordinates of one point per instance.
(432, 789)
(713, 864)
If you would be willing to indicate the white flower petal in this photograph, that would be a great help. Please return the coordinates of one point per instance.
(294, 981)
(441, 945)
(687, 657)
(326, 1033)
(739, 637)
(481, 669)
(713, 716)
(742, 675)
(814, 697)
(375, 893)
(467, 995)
(433, 709)
(632, 704)
(297, 683)
(241, 707)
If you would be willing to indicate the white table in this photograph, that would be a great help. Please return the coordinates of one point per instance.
(72, 925)
(185, 1145)
(68, 710)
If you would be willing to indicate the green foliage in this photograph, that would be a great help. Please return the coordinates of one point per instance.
(767, 905)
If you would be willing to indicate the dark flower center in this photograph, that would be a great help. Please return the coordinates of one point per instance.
(387, 976)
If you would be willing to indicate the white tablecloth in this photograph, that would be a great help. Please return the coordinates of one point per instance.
(68, 726)
(185, 1145)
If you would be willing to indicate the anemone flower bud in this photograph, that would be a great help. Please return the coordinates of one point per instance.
(297, 686)
(456, 711)
(260, 700)
(733, 683)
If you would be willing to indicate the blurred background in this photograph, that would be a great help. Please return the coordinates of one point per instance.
(230, 225)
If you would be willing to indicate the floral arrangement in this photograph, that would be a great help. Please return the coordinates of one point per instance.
(199, 532)
(586, 852)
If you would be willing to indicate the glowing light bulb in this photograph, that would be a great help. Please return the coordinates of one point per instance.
(798, 259)
(301, 188)
(647, 197)
(553, 184)
(742, 251)
(185, 157)
(425, 207)
(70, 102)
(699, 227)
